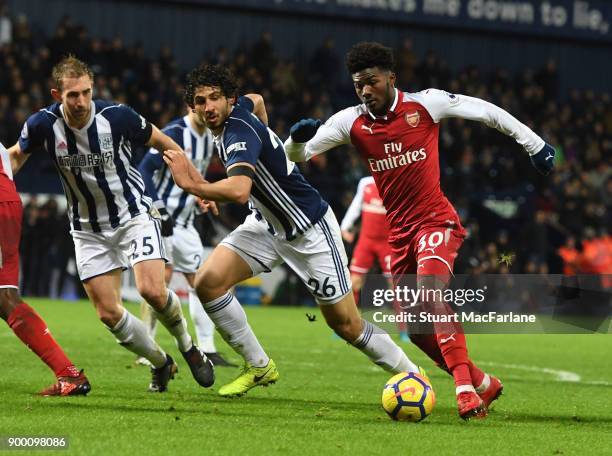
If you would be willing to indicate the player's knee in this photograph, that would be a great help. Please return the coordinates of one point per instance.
(155, 294)
(9, 299)
(209, 282)
(110, 315)
(348, 329)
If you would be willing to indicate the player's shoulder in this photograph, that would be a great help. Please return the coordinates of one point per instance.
(241, 122)
(347, 116)
(41, 122)
(46, 115)
(430, 96)
(239, 115)
(106, 105)
(112, 110)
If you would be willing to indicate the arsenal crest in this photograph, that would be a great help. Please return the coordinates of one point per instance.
(412, 119)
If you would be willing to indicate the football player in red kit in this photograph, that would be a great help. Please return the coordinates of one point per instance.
(372, 244)
(396, 134)
(21, 318)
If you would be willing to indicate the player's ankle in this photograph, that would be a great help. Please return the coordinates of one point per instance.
(68, 371)
(464, 389)
(482, 387)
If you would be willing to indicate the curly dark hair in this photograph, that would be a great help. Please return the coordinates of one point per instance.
(207, 75)
(368, 55)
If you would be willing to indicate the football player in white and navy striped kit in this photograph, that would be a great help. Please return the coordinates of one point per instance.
(90, 143)
(289, 222)
(177, 208)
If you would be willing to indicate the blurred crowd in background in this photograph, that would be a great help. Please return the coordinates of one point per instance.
(558, 224)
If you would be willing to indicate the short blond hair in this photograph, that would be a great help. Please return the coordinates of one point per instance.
(70, 67)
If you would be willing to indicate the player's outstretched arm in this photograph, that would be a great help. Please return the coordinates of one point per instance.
(236, 188)
(161, 141)
(17, 158)
(442, 105)
(309, 138)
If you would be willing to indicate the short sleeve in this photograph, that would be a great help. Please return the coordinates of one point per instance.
(242, 144)
(32, 136)
(246, 103)
(135, 127)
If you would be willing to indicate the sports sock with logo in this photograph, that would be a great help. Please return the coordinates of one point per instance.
(231, 321)
(171, 316)
(204, 326)
(454, 350)
(377, 345)
(448, 334)
(33, 331)
(132, 334)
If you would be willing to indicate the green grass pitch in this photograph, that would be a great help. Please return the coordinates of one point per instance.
(557, 400)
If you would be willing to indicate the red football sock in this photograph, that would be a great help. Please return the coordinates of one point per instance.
(461, 374)
(33, 331)
(476, 374)
(451, 341)
(448, 334)
(356, 296)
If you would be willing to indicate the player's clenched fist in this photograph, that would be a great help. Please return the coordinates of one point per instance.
(183, 171)
(304, 130)
(544, 160)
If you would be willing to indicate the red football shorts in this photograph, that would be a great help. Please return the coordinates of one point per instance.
(10, 233)
(366, 251)
(423, 253)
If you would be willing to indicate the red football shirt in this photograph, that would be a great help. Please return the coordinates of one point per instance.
(8, 192)
(401, 151)
(368, 204)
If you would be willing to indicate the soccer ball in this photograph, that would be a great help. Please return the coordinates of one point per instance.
(408, 397)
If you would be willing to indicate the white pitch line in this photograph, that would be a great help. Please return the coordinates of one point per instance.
(559, 375)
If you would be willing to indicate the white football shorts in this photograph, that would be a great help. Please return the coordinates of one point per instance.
(137, 240)
(317, 257)
(184, 249)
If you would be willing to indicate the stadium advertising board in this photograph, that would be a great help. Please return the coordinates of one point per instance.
(562, 18)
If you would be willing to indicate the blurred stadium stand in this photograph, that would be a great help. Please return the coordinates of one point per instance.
(553, 76)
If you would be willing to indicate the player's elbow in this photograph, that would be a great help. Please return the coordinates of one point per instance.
(240, 188)
(241, 196)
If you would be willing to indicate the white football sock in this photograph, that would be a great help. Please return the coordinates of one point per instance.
(204, 326)
(486, 381)
(172, 318)
(132, 334)
(377, 345)
(148, 318)
(464, 389)
(231, 321)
